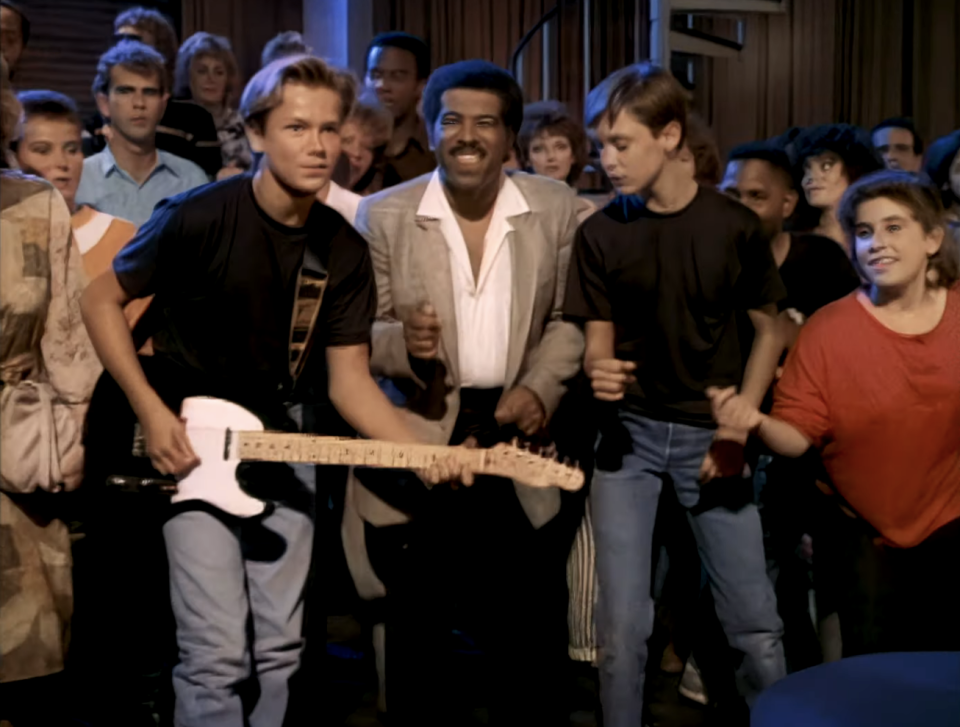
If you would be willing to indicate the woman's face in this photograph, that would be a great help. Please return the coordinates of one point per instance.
(357, 145)
(51, 148)
(892, 247)
(551, 156)
(208, 81)
(824, 180)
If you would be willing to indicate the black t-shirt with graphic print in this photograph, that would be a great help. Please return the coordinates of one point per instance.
(677, 288)
(224, 276)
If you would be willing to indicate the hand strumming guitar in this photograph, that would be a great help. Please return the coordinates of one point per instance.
(167, 443)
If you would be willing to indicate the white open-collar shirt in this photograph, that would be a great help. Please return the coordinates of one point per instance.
(482, 305)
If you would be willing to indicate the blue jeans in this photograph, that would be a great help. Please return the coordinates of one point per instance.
(237, 593)
(730, 541)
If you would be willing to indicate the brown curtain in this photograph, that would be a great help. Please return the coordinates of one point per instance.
(249, 24)
(783, 77)
(858, 61)
(935, 97)
(491, 29)
(872, 60)
(462, 29)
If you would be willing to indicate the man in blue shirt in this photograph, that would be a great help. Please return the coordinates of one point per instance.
(130, 176)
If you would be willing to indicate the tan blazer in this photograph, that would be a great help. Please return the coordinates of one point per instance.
(412, 264)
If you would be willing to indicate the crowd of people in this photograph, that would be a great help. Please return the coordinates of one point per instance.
(756, 364)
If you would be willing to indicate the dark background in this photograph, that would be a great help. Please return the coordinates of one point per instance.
(823, 60)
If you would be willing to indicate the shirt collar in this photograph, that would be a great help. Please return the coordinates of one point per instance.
(418, 140)
(109, 163)
(435, 205)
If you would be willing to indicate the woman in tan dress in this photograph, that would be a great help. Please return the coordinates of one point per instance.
(47, 372)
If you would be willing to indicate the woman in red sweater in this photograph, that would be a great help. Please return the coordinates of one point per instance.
(874, 384)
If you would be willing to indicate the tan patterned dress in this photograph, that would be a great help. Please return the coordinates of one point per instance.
(47, 372)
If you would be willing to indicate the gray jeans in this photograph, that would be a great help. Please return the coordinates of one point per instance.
(237, 593)
(624, 500)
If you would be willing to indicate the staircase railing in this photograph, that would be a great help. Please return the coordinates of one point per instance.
(516, 59)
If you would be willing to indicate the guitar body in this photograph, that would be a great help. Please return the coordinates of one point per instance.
(215, 480)
(111, 427)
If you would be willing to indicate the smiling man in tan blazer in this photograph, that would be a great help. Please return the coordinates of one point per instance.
(470, 266)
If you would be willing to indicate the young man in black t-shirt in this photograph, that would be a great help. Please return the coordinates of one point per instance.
(815, 271)
(667, 281)
(223, 263)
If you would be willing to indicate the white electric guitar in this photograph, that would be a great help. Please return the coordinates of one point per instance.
(224, 434)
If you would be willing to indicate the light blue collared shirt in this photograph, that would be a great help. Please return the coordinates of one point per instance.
(107, 188)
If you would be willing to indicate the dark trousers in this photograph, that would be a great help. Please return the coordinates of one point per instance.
(474, 565)
(898, 599)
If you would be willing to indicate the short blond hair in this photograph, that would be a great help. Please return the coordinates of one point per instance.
(264, 93)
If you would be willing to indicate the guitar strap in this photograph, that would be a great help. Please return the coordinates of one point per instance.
(311, 285)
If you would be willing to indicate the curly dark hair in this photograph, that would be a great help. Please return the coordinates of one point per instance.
(851, 143)
(478, 75)
(922, 199)
(412, 44)
(770, 151)
(553, 119)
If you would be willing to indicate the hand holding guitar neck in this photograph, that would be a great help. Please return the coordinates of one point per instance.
(450, 469)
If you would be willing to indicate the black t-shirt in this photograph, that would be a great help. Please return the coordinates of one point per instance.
(816, 272)
(224, 274)
(677, 288)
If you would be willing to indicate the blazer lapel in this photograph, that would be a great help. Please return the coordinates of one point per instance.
(433, 283)
(525, 244)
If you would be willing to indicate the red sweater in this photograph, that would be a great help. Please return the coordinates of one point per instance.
(884, 409)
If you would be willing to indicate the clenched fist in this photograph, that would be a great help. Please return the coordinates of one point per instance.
(421, 331)
(522, 407)
(610, 378)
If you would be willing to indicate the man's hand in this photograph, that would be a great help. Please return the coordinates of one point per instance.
(736, 417)
(610, 378)
(725, 458)
(450, 469)
(732, 411)
(421, 331)
(522, 407)
(167, 443)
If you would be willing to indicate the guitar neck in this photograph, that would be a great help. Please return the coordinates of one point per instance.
(311, 449)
